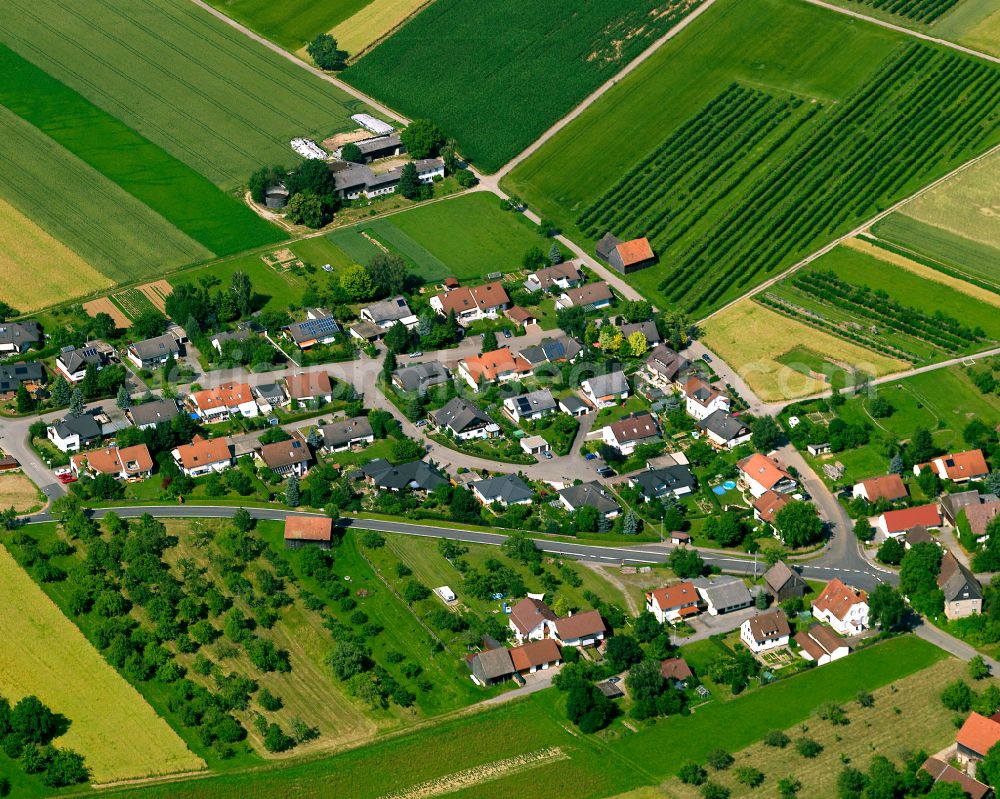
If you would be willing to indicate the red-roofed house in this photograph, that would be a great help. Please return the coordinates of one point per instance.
(628, 433)
(760, 474)
(976, 737)
(202, 456)
(821, 644)
(897, 522)
(701, 400)
(471, 304)
(581, 629)
(531, 619)
(676, 669)
(767, 505)
(535, 656)
(497, 366)
(842, 607)
(959, 467)
(673, 603)
(229, 399)
(890, 488)
(128, 463)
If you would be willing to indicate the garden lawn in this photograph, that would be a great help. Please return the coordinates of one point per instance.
(290, 23)
(491, 80)
(737, 724)
(466, 237)
(111, 725)
(774, 336)
(191, 84)
(907, 716)
(76, 210)
(167, 185)
(720, 147)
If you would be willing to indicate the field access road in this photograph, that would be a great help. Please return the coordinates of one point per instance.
(908, 31)
(865, 577)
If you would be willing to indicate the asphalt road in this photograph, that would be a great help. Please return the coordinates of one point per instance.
(865, 577)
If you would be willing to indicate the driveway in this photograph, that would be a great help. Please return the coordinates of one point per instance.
(707, 625)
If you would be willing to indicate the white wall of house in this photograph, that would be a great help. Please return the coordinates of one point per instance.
(854, 622)
(760, 646)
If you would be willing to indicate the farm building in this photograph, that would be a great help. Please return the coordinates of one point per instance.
(373, 125)
(304, 531)
(275, 197)
(625, 256)
(783, 583)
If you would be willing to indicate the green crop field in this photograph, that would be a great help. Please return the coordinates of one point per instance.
(504, 72)
(925, 11)
(290, 23)
(467, 237)
(938, 247)
(105, 225)
(741, 158)
(185, 80)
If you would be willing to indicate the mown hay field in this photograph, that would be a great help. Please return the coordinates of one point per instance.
(106, 226)
(18, 492)
(290, 23)
(907, 716)
(773, 335)
(214, 99)
(112, 726)
(497, 75)
(739, 153)
(371, 23)
(36, 269)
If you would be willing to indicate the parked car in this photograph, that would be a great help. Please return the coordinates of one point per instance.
(67, 478)
(548, 455)
(706, 358)
(606, 471)
(506, 332)
(414, 355)
(420, 423)
(590, 456)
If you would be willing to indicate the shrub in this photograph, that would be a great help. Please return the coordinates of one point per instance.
(808, 748)
(776, 738)
(719, 759)
(750, 777)
(692, 774)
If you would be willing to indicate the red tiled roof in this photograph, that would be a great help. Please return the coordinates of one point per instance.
(490, 365)
(310, 384)
(962, 465)
(769, 503)
(308, 528)
(202, 452)
(535, 653)
(529, 613)
(111, 460)
(675, 596)
(978, 734)
(890, 487)
(580, 625)
(635, 251)
(898, 521)
(675, 669)
(634, 428)
(229, 395)
(763, 470)
(484, 298)
(839, 598)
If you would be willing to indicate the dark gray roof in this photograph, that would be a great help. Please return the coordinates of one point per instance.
(350, 176)
(648, 329)
(415, 474)
(723, 591)
(346, 430)
(154, 412)
(388, 310)
(20, 334)
(590, 494)
(956, 581)
(12, 375)
(508, 488)
(84, 426)
(271, 392)
(421, 375)
(236, 335)
(540, 401)
(155, 348)
(494, 663)
(667, 362)
(605, 385)
(368, 146)
(655, 483)
(724, 425)
(460, 415)
(564, 348)
(310, 329)
(77, 358)
(572, 403)
(606, 246)
(779, 575)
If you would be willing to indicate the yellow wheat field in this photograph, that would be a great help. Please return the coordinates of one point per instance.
(372, 22)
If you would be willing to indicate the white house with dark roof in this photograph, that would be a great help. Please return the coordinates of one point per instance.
(605, 391)
(420, 376)
(530, 407)
(386, 313)
(149, 414)
(464, 420)
(702, 400)
(19, 336)
(588, 495)
(558, 276)
(665, 368)
(765, 631)
(531, 620)
(628, 433)
(154, 351)
(505, 489)
(347, 434)
(723, 430)
(73, 361)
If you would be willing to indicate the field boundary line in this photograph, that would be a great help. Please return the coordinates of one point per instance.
(372, 45)
(344, 87)
(903, 29)
(857, 231)
(595, 95)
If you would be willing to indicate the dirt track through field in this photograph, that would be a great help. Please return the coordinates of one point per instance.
(487, 772)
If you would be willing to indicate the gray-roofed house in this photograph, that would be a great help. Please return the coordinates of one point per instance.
(286, 458)
(631, 431)
(19, 336)
(150, 414)
(507, 489)
(963, 595)
(552, 350)
(558, 276)
(319, 327)
(723, 593)
(353, 180)
(605, 391)
(589, 495)
(723, 430)
(530, 407)
(783, 582)
(590, 296)
(219, 340)
(73, 361)
(271, 396)
(153, 351)
(347, 434)
(420, 377)
(73, 433)
(415, 475)
(952, 504)
(492, 666)
(648, 330)
(666, 368)
(387, 312)
(667, 480)
(574, 406)
(464, 420)
(15, 375)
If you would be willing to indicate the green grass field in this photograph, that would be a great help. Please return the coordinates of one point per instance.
(467, 237)
(709, 121)
(935, 245)
(596, 766)
(93, 216)
(46, 655)
(185, 80)
(494, 92)
(290, 23)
